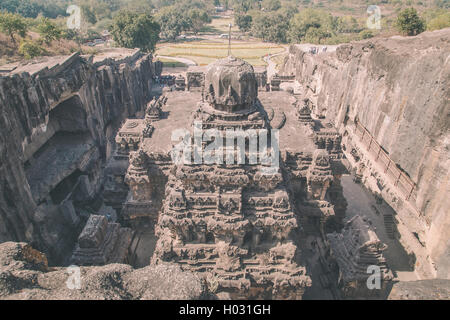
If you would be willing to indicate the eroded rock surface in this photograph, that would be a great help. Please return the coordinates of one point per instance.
(59, 119)
(389, 99)
(433, 289)
(24, 275)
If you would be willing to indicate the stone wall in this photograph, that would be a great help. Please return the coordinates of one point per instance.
(398, 89)
(81, 101)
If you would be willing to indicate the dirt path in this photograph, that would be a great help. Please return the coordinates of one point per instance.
(272, 66)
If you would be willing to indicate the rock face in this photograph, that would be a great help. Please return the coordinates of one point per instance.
(59, 119)
(433, 289)
(25, 275)
(390, 101)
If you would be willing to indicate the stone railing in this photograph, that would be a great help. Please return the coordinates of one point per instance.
(400, 179)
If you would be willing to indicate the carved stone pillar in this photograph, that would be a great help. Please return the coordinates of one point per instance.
(319, 176)
(137, 177)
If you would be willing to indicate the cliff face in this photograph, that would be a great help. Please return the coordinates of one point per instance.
(57, 125)
(398, 89)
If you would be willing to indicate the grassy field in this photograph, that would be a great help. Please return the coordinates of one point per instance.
(203, 61)
(168, 63)
(205, 52)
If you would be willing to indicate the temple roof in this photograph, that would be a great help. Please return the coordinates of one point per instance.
(230, 84)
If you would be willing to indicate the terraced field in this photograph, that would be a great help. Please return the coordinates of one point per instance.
(207, 51)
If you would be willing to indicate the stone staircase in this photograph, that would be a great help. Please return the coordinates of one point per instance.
(389, 225)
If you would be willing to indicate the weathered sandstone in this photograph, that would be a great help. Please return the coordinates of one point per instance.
(398, 89)
(25, 275)
(58, 122)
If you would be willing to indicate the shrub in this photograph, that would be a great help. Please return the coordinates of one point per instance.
(243, 21)
(30, 49)
(440, 22)
(12, 24)
(409, 22)
(49, 31)
(366, 34)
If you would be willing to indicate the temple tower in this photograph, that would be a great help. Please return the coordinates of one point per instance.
(232, 218)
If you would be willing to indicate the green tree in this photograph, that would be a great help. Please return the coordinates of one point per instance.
(288, 10)
(172, 22)
(270, 27)
(226, 4)
(271, 5)
(243, 6)
(53, 9)
(12, 24)
(316, 35)
(243, 21)
(88, 14)
(409, 22)
(25, 8)
(197, 19)
(134, 30)
(30, 49)
(312, 24)
(49, 31)
(346, 24)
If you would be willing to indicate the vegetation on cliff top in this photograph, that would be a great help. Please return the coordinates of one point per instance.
(39, 27)
(409, 22)
(334, 22)
(13, 24)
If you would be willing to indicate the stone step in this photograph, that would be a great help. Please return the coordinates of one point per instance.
(389, 225)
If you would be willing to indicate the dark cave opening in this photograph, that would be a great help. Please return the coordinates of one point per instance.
(65, 187)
